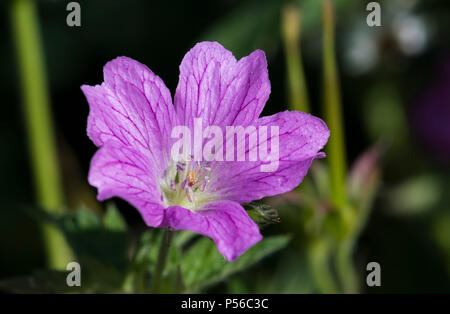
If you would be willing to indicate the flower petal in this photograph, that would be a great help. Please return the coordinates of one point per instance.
(301, 137)
(132, 106)
(121, 171)
(226, 222)
(215, 87)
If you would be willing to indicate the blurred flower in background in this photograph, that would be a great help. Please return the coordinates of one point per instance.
(403, 31)
(431, 112)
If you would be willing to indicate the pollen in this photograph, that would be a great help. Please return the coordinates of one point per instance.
(186, 184)
(192, 178)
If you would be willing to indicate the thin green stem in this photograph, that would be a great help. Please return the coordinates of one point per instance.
(319, 263)
(298, 93)
(345, 268)
(161, 262)
(337, 156)
(333, 111)
(344, 251)
(39, 125)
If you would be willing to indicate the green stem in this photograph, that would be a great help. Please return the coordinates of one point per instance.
(128, 284)
(161, 262)
(337, 155)
(134, 281)
(345, 267)
(333, 111)
(39, 125)
(344, 259)
(298, 93)
(318, 258)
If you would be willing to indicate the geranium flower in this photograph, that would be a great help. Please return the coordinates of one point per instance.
(131, 120)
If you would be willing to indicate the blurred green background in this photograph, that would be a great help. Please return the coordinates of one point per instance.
(395, 87)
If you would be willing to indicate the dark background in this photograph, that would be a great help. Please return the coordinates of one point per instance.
(409, 229)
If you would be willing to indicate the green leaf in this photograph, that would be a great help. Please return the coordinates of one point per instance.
(290, 275)
(113, 220)
(183, 237)
(99, 277)
(47, 281)
(143, 265)
(82, 219)
(416, 195)
(96, 277)
(203, 265)
(89, 234)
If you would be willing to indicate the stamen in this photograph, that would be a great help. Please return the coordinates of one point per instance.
(184, 184)
(190, 194)
(204, 184)
(180, 166)
(192, 178)
(188, 184)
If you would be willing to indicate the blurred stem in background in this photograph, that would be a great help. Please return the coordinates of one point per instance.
(321, 248)
(161, 261)
(333, 110)
(337, 156)
(319, 257)
(298, 94)
(39, 127)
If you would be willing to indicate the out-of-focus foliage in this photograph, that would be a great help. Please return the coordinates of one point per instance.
(388, 75)
(100, 245)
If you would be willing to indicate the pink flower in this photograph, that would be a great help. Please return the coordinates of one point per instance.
(131, 119)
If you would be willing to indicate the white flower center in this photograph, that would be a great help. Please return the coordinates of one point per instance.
(185, 184)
